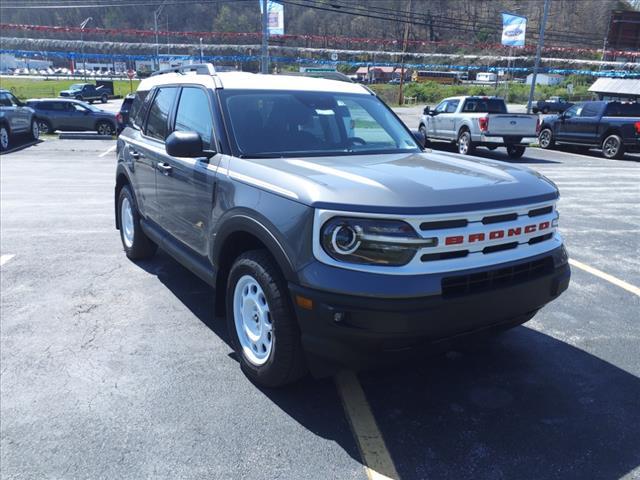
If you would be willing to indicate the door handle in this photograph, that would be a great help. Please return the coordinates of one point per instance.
(164, 167)
(135, 154)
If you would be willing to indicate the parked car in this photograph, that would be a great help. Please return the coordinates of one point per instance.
(71, 115)
(552, 105)
(16, 118)
(612, 126)
(328, 245)
(88, 92)
(122, 117)
(471, 122)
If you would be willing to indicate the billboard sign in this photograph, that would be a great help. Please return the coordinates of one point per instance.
(513, 30)
(275, 17)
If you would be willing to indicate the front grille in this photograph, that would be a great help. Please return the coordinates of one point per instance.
(494, 279)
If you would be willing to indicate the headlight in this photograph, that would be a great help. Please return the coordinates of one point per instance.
(371, 241)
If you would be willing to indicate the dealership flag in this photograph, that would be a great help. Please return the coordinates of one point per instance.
(275, 17)
(513, 30)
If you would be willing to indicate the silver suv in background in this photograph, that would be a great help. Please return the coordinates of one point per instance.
(15, 118)
(471, 122)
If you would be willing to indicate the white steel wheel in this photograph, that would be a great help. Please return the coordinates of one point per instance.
(252, 319)
(126, 222)
(464, 143)
(4, 138)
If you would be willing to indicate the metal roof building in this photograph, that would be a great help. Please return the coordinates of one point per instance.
(616, 89)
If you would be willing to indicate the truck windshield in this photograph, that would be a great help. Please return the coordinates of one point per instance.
(76, 86)
(485, 105)
(284, 123)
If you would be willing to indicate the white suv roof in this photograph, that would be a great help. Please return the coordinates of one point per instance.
(253, 81)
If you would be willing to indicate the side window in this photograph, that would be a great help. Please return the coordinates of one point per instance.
(136, 116)
(442, 107)
(452, 106)
(573, 111)
(76, 107)
(470, 106)
(4, 100)
(157, 120)
(590, 110)
(194, 115)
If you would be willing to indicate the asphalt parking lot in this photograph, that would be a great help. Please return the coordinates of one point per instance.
(112, 369)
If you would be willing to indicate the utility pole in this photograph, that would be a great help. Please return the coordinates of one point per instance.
(545, 14)
(156, 14)
(264, 60)
(404, 49)
(84, 59)
(201, 56)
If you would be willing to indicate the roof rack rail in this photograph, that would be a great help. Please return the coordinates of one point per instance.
(198, 68)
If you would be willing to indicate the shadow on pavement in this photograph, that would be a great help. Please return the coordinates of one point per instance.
(498, 154)
(522, 405)
(20, 144)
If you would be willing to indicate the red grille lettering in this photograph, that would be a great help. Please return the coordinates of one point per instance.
(476, 237)
(543, 226)
(454, 240)
(496, 234)
(530, 229)
(513, 232)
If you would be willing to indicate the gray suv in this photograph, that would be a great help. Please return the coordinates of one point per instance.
(15, 118)
(72, 115)
(330, 236)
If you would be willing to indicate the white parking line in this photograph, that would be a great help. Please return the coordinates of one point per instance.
(108, 151)
(5, 258)
(605, 276)
(375, 456)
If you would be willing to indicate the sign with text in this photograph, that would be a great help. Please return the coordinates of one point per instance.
(275, 17)
(513, 30)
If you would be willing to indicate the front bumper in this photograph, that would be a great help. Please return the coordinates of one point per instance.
(358, 331)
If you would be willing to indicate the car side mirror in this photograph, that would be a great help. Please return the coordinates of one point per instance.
(186, 144)
(426, 110)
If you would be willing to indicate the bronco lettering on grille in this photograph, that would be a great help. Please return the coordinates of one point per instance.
(497, 234)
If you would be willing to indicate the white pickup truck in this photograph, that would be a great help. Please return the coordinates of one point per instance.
(479, 121)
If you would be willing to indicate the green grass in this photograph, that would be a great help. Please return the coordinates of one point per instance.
(25, 88)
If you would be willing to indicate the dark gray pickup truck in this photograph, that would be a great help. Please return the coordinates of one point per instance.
(87, 92)
(330, 236)
(612, 126)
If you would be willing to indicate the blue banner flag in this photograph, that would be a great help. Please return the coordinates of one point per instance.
(513, 30)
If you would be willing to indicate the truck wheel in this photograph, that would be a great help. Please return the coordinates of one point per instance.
(261, 321)
(34, 133)
(545, 110)
(44, 126)
(515, 151)
(79, 97)
(612, 147)
(104, 98)
(4, 138)
(136, 244)
(535, 110)
(105, 128)
(545, 139)
(465, 144)
(423, 131)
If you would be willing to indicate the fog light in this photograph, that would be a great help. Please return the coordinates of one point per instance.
(339, 317)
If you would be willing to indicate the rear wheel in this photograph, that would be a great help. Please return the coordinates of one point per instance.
(79, 97)
(105, 128)
(136, 244)
(515, 151)
(612, 147)
(104, 98)
(261, 321)
(465, 145)
(4, 138)
(44, 126)
(545, 139)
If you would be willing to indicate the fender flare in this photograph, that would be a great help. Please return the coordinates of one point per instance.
(260, 228)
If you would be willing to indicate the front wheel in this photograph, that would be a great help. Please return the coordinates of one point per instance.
(136, 244)
(34, 133)
(105, 128)
(545, 139)
(612, 147)
(465, 144)
(515, 151)
(423, 131)
(261, 321)
(4, 138)
(104, 98)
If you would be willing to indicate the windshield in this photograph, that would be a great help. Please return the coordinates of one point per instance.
(279, 123)
(76, 86)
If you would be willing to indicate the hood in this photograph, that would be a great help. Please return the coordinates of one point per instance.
(426, 182)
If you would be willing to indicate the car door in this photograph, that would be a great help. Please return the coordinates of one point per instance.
(566, 127)
(446, 120)
(9, 111)
(81, 118)
(586, 124)
(19, 116)
(434, 124)
(185, 186)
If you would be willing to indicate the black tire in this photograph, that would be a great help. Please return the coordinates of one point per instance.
(141, 247)
(104, 98)
(545, 139)
(34, 131)
(545, 110)
(44, 126)
(285, 362)
(79, 97)
(423, 130)
(5, 138)
(613, 147)
(515, 151)
(535, 110)
(465, 144)
(105, 128)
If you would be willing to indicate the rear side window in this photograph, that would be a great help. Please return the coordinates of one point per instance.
(136, 118)
(4, 100)
(194, 115)
(485, 105)
(616, 109)
(157, 120)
